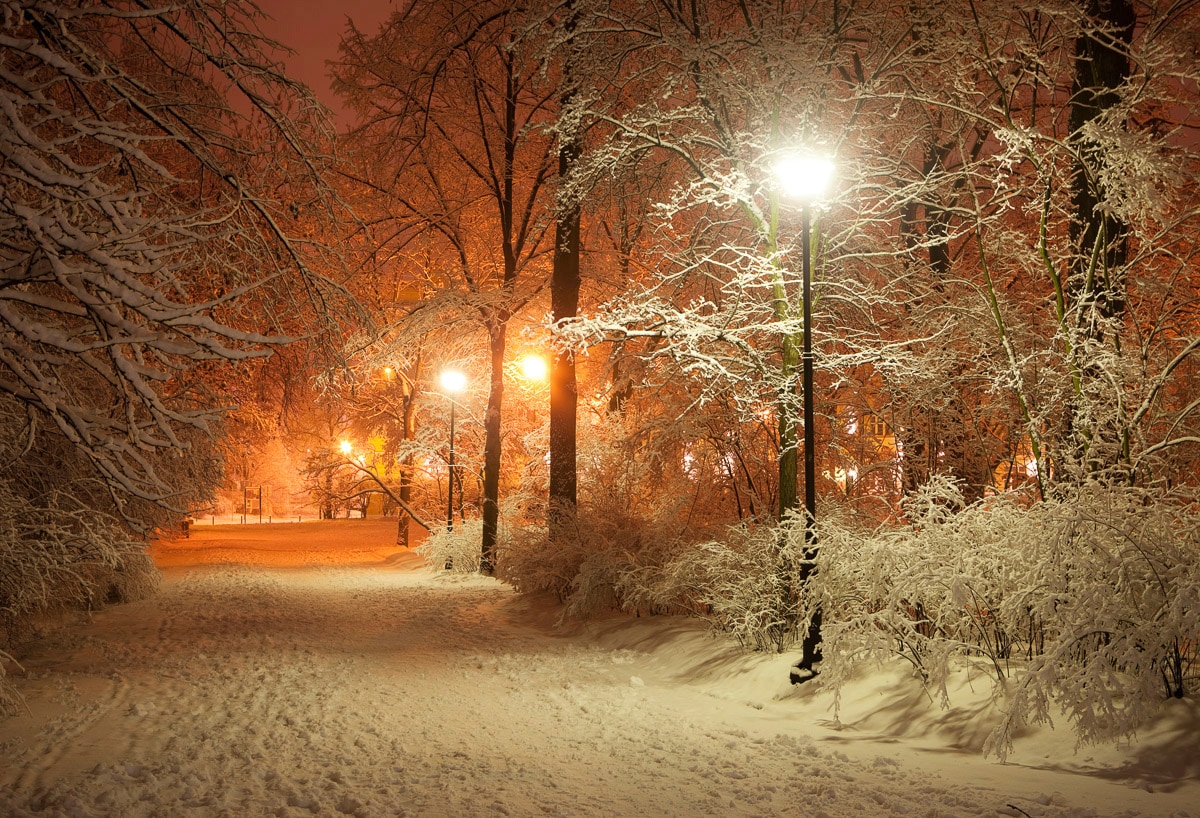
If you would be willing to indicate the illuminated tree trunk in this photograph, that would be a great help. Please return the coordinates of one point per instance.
(789, 441)
(456, 84)
(409, 432)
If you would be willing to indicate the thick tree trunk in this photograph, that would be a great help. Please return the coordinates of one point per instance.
(1098, 239)
(564, 298)
(564, 395)
(1101, 67)
(408, 431)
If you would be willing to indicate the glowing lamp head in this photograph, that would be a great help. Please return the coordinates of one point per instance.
(804, 176)
(346, 447)
(453, 381)
(534, 368)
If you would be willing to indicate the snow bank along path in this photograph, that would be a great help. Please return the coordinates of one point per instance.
(340, 676)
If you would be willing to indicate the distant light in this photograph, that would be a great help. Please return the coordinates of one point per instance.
(844, 477)
(346, 447)
(453, 381)
(387, 372)
(804, 176)
(534, 368)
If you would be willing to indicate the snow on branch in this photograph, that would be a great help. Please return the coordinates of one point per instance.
(144, 227)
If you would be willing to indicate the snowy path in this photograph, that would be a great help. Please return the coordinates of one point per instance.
(385, 688)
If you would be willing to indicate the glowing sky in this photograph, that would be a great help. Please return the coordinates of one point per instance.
(312, 28)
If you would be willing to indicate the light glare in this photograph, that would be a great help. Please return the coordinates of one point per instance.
(534, 368)
(804, 177)
(453, 381)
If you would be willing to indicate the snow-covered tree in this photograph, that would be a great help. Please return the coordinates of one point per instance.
(157, 176)
(144, 227)
(452, 108)
(958, 295)
(722, 92)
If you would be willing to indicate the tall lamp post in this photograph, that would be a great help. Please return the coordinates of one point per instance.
(452, 382)
(805, 178)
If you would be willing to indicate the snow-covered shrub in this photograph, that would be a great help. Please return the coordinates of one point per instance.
(591, 565)
(1116, 580)
(1088, 602)
(637, 507)
(744, 583)
(55, 558)
(59, 556)
(458, 550)
(931, 589)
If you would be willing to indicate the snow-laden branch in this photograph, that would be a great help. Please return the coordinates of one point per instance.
(143, 226)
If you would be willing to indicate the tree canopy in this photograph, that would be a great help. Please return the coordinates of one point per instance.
(145, 232)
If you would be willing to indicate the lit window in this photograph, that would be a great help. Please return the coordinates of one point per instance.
(875, 426)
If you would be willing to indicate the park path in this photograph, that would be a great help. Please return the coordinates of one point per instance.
(327, 673)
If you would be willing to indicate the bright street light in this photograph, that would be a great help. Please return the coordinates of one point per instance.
(346, 447)
(534, 367)
(804, 176)
(453, 381)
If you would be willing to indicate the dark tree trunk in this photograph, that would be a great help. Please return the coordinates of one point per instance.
(1101, 67)
(408, 431)
(491, 449)
(497, 334)
(1098, 239)
(563, 391)
(564, 298)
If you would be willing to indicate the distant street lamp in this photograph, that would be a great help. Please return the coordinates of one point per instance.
(806, 177)
(534, 367)
(453, 382)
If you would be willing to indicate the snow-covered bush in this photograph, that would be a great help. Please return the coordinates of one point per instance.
(1087, 602)
(928, 590)
(61, 556)
(456, 550)
(637, 508)
(1116, 581)
(56, 557)
(591, 565)
(743, 583)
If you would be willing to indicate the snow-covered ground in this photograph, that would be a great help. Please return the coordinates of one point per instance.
(314, 669)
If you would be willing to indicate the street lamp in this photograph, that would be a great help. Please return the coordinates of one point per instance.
(452, 382)
(534, 368)
(806, 177)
